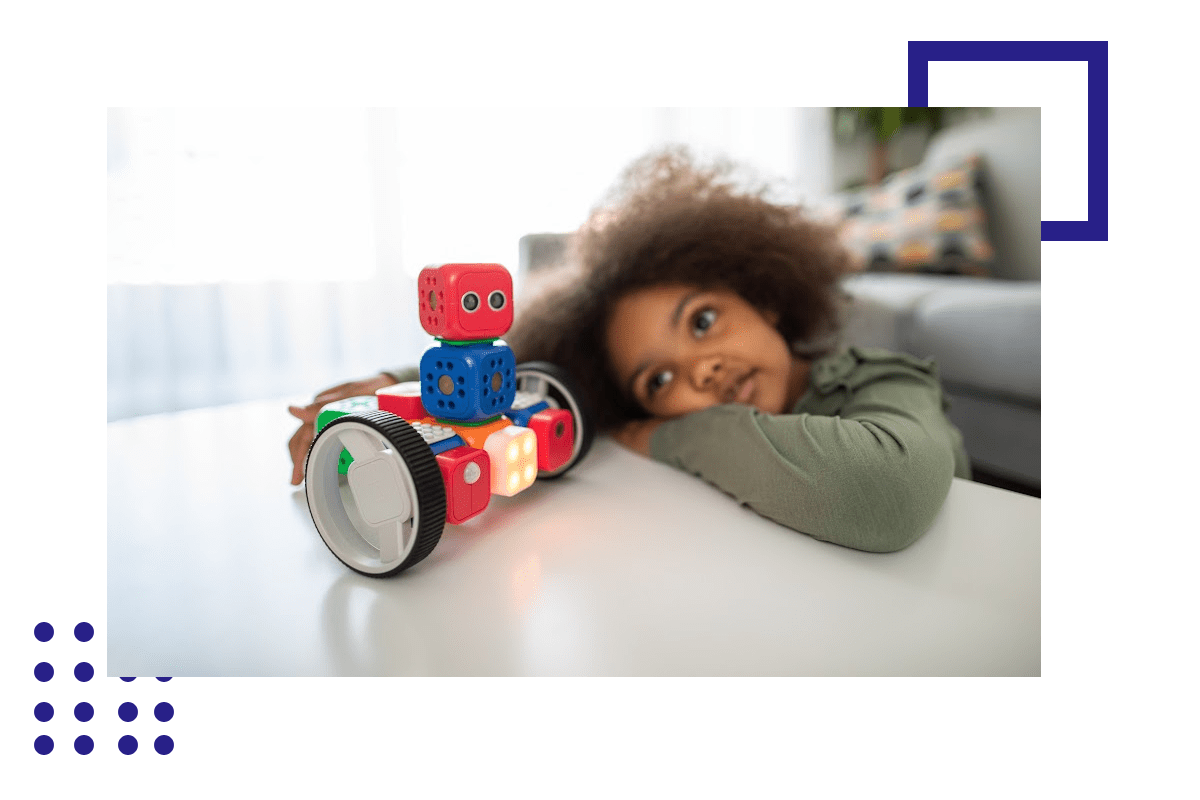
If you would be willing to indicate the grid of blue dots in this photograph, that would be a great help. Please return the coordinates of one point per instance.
(128, 712)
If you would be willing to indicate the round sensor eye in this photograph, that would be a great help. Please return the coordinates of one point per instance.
(470, 301)
(497, 300)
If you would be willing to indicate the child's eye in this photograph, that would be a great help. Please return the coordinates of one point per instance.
(657, 381)
(703, 321)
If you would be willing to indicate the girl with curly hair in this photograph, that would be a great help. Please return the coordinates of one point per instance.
(697, 319)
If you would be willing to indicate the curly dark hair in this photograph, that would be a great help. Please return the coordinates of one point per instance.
(670, 220)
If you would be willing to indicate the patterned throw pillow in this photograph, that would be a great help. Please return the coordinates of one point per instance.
(917, 220)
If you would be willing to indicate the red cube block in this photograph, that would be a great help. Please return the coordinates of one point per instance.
(467, 473)
(465, 302)
(555, 429)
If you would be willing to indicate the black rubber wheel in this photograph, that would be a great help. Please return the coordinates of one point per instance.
(556, 387)
(392, 517)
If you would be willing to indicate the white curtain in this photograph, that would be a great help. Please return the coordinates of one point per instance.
(257, 254)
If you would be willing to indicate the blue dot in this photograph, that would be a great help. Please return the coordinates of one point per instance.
(127, 680)
(84, 712)
(164, 680)
(84, 744)
(84, 631)
(127, 712)
(164, 745)
(43, 672)
(127, 745)
(44, 631)
(84, 672)
(43, 744)
(43, 712)
(163, 712)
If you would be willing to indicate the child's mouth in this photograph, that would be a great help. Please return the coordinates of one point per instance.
(745, 390)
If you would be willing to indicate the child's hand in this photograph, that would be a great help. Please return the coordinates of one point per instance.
(636, 435)
(302, 438)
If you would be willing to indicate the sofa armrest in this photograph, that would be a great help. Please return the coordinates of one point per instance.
(986, 336)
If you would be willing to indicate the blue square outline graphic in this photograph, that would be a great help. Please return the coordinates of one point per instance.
(1095, 227)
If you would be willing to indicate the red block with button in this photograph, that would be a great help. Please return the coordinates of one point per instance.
(555, 437)
(467, 473)
(403, 400)
(465, 302)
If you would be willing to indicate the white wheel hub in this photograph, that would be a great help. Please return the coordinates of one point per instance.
(369, 520)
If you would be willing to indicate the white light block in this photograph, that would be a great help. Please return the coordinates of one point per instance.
(513, 453)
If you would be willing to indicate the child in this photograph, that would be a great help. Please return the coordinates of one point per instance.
(696, 327)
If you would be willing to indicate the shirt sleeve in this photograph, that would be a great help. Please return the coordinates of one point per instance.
(871, 474)
(402, 374)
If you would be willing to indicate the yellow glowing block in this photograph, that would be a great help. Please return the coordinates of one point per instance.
(513, 452)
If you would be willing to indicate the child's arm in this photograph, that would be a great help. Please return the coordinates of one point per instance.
(303, 437)
(868, 466)
(637, 435)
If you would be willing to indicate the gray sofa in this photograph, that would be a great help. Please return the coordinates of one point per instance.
(984, 333)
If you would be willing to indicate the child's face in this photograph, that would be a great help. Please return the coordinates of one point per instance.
(678, 349)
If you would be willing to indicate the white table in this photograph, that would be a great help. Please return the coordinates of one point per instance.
(623, 567)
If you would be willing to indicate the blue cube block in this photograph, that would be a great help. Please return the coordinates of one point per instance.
(469, 382)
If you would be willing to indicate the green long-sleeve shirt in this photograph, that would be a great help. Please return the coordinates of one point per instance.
(864, 459)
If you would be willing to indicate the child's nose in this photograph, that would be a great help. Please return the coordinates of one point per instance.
(707, 373)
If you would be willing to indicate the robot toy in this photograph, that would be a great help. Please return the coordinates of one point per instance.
(385, 474)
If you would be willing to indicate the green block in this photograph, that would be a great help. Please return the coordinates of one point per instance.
(341, 408)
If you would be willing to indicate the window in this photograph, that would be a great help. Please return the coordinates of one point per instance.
(205, 196)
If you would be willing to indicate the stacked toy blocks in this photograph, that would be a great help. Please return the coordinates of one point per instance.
(468, 377)
(488, 438)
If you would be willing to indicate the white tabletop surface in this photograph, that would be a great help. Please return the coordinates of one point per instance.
(622, 567)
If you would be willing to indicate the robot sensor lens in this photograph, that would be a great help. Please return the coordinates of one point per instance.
(446, 384)
(433, 301)
(497, 300)
(470, 301)
(497, 381)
